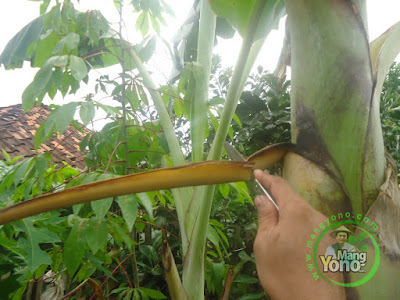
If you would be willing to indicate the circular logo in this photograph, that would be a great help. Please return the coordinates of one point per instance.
(358, 254)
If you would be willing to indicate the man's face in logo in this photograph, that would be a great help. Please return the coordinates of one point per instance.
(341, 238)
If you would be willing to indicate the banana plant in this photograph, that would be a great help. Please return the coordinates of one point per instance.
(50, 43)
(337, 160)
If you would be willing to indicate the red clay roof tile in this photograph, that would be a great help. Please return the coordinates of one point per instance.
(17, 131)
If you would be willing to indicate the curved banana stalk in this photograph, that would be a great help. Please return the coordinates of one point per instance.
(203, 173)
(189, 175)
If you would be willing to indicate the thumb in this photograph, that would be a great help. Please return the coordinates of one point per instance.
(267, 214)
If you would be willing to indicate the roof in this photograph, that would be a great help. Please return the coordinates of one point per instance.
(17, 130)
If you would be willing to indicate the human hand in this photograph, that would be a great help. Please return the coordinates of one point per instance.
(280, 244)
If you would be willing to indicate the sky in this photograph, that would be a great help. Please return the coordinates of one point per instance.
(17, 13)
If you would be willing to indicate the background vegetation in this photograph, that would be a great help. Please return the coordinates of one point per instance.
(109, 249)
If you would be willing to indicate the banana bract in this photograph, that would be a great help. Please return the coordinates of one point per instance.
(203, 173)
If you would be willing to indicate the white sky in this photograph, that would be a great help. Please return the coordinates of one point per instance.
(17, 13)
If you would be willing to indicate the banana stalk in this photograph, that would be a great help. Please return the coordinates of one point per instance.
(337, 78)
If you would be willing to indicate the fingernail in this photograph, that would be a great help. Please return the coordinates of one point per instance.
(257, 171)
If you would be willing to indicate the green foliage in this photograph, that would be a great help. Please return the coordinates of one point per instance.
(8, 160)
(232, 228)
(128, 205)
(30, 245)
(390, 111)
(262, 116)
(264, 112)
(239, 13)
(77, 244)
(80, 245)
(74, 247)
(15, 52)
(152, 10)
(58, 42)
(32, 177)
(137, 293)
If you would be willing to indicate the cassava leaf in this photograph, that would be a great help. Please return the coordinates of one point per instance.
(74, 247)
(243, 278)
(142, 23)
(71, 41)
(101, 207)
(64, 115)
(35, 236)
(212, 235)
(146, 48)
(239, 12)
(78, 67)
(147, 203)
(128, 205)
(96, 234)
(14, 53)
(152, 294)
(87, 112)
(224, 190)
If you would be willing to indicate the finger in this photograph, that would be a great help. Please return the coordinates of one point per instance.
(280, 189)
(267, 214)
(264, 178)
